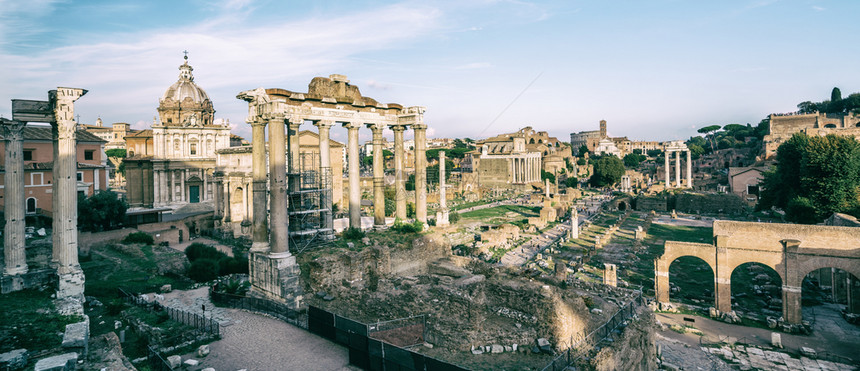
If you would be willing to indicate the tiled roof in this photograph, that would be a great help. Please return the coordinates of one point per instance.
(32, 132)
(140, 134)
(50, 166)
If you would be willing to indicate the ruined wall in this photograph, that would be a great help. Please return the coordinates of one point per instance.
(767, 236)
(656, 203)
(493, 172)
(88, 239)
(634, 350)
(709, 203)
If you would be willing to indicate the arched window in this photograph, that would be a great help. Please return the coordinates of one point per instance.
(209, 147)
(31, 205)
(830, 126)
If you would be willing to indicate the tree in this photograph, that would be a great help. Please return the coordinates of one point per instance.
(608, 170)
(710, 129)
(835, 95)
(656, 152)
(571, 182)
(583, 150)
(101, 211)
(116, 152)
(544, 175)
(821, 173)
(632, 160)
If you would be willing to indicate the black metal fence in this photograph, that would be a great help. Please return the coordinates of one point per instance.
(156, 361)
(198, 321)
(272, 308)
(582, 347)
(367, 352)
(402, 332)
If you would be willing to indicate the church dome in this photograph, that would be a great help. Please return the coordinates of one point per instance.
(185, 87)
(184, 103)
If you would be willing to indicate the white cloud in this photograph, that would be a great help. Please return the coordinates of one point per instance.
(818, 8)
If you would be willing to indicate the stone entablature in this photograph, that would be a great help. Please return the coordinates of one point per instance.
(792, 250)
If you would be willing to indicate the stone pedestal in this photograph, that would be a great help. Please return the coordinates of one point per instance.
(610, 275)
(276, 276)
(639, 234)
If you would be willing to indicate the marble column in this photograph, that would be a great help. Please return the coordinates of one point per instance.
(420, 172)
(278, 231)
(218, 196)
(689, 171)
(71, 277)
(574, 223)
(15, 205)
(666, 156)
(399, 185)
(183, 193)
(678, 169)
(325, 171)
(156, 191)
(354, 175)
(546, 184)
(378, 175)
(294, 158)
(258, 174)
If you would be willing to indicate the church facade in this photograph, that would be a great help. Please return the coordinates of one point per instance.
(185, 136)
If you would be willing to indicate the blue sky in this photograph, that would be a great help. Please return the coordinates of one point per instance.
(655, 70)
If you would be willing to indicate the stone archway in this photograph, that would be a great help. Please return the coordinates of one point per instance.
(789, 249)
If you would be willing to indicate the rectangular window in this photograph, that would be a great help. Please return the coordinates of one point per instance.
(36, 178)
(193, 149)
(752, 189)
(28, 155)
(80, 176)
(88, 155)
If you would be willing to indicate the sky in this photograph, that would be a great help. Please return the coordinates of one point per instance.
(654, 70)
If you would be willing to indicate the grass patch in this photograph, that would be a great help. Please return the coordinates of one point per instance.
(29, 321)
(502, 214)
(136, 268)
(681, 233)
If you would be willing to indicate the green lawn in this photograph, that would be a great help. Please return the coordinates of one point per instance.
(680, 233)
(135, 268)
(29, 321)
(498, 214)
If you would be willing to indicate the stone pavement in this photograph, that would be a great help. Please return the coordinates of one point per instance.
(525, 252)
(253, 341)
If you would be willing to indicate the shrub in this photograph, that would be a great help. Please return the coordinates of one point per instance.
(453, 217)
(115, 307)
(203, 270)
(228, 265)
(200, 251)
(402, 227)
(139, 237)
(353, 233)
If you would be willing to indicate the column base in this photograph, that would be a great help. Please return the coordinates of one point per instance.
(14, 271)
(259, 247)
(71, 285)
(276, 276)
(442, 218)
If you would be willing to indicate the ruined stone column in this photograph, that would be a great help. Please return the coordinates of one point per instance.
(546, 182)
(295, 154)
(678, 169)
(689, 171)
(354, 174)
(258, 174)
(661, 280)
(71, 277)
(218, 195)
(420, 172)
(442, 213)
(399, 184)
(666, 155)
(278, 223)
(13, 234)
(574, 223)
(378, 176)
(610, 275)
(325, 171)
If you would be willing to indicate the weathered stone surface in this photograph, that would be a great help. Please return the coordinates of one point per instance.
(174, 361)
(13, 360)
(62, 362)
(191, 362)
(203, 350)
(444, 267)
(77, 337)
(496, 348)
(809, 352)
(106, 354)
(776, 339)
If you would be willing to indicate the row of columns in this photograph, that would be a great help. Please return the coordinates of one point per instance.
(64, 192)
(525, 170)
(166, 181)
(689, 169)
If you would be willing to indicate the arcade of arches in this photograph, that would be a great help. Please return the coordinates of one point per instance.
(792, 250)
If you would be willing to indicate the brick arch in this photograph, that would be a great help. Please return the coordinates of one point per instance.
(672, 250)
(811, 264)
(778, 267)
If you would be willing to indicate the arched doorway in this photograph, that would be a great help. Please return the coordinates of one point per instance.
(622, 206)
(827, 293)
(31, 205)
(756, 291)
(691, 281)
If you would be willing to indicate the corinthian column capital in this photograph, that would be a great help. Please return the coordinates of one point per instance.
(12, 130)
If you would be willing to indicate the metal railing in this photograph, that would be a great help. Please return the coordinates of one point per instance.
(272, 308)
(583, 345)
(198, 321)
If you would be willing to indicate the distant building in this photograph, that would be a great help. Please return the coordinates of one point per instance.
(593, 139)
(38, 167)
(783, 126)
(744, 181)
(177, 168)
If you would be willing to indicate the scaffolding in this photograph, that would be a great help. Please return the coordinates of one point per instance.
(310, 204)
